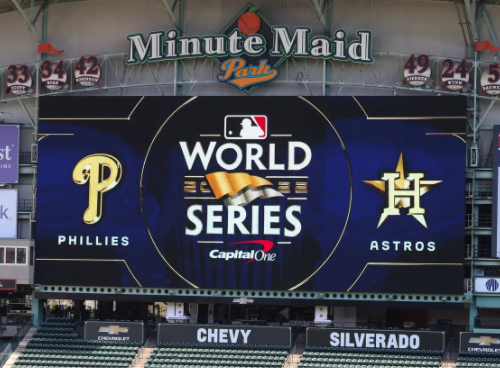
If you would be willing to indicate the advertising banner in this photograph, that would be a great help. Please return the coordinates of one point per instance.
(116, 331)
(269, 193)
(380, 339)
(487, 285)
(8, 213)
(9, 153)
(481, 343)
(8, 284)
(221, 334)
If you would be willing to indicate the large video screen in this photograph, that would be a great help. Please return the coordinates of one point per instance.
(269, 193)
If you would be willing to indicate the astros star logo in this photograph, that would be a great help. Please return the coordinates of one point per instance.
(400, 189)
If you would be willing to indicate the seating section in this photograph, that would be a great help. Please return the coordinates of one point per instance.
(320, 357)
(479, 359)
(56, 344)
(217, 355)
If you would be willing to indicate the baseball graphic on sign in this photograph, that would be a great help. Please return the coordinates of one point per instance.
(249, 22)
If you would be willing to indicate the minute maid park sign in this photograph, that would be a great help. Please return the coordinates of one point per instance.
(249, 49)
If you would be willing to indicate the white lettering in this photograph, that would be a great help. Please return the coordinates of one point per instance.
(198, 224)
(190, 157)
(292, 165)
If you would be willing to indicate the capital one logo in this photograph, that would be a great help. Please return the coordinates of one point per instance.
(402, 191)
(91, 170)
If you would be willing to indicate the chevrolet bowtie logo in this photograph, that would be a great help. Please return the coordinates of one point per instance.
(396, 186)
(114, 330)
(484, 340)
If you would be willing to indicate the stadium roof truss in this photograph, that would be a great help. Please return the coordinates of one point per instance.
(315, 298)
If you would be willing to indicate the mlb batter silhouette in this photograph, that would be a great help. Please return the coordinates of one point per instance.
(250, 130)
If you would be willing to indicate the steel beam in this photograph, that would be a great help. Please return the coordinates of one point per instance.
(27, 113)
(321, 10)
(484, 115)
(491, 31)
(180, 67)
(28, 21)
(171, 12)
(320, 296)
(471, 11)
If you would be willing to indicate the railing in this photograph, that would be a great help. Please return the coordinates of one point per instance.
(468, 251)
(483, 251)
(25, 205)
(477, 251)
(21, 332)
(384, 73)
(479, 190)
(293, 350)
(25, 158)
(468, 285)
(477, 220)
(140, 355)
(487, 322)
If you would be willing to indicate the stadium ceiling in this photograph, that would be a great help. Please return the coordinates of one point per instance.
(9, 5)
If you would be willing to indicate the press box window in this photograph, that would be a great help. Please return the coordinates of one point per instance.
(10, 255)
(21, 256)
(13, 255)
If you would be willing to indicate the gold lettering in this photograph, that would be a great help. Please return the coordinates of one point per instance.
(189, 187)
(91, 170)
(301, 187)
(204, 188)
(283, 187)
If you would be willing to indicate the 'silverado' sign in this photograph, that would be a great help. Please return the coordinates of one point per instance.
(220, 334)
(380, 339)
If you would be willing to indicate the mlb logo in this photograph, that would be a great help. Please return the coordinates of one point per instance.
(245, 127)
